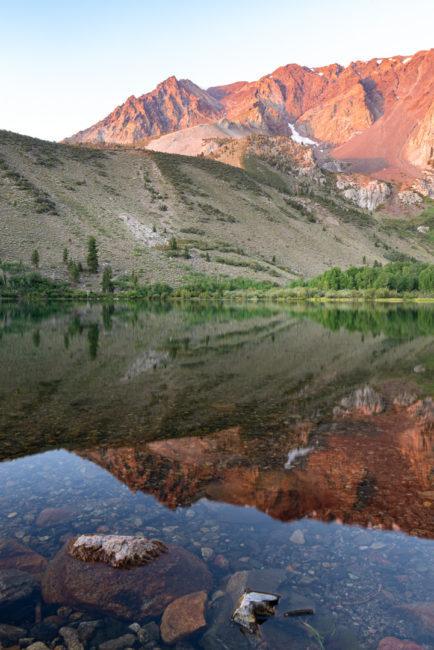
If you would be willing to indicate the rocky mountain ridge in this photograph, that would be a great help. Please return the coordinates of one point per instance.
(376, 116)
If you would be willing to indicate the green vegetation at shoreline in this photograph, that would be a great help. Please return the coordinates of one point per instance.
(401, 276)
(394, 281)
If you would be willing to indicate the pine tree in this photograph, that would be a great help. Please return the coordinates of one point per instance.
(65, 255)
(73, 270)
(92, 255)
(35, 258)
(107, 284)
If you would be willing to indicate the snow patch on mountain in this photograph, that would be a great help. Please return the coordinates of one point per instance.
(300, 139)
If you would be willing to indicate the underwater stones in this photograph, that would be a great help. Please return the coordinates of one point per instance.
(17, 594)
(124, 641)
(115, 550)
(9, 634)
(14, 555)
(132, 594)
(70, 636)
(297, 537)
(183, 616)
(390, 643)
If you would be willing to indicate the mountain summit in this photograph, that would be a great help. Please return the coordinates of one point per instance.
(376, 115)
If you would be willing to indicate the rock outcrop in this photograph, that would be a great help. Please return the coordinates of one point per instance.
(132, 594)
(363, 191)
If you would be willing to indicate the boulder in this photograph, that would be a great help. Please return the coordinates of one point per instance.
(183, 617)
(14, 555)
(115, 550)
(124, 593)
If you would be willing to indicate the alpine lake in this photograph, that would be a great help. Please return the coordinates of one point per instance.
(283, 449)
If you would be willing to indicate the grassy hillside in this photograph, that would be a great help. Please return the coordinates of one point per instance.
(262, 223)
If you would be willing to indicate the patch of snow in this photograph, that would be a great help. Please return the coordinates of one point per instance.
(359, 73)
(409, 58)
(299, 138)
(296, 453)
(321, 74)
(379, 61)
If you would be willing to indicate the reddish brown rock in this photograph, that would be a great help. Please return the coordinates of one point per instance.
(390, 643)
(423, 612)
(54, 516)
(377, 112)
(183, 617)
(14, 555)
(125, 593)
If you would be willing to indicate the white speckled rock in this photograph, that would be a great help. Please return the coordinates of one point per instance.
(116, 550)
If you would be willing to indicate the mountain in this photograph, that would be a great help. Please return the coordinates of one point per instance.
(375, 115)
(277, 219)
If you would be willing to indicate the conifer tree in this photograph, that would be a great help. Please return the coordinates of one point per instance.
(92, 255)
(107, 284)
(35, 258)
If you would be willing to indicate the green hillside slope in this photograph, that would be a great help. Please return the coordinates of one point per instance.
(263, 223)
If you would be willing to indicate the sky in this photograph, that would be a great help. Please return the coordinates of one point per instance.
(66, 65)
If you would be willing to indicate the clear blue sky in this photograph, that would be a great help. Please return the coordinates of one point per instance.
(66, 65)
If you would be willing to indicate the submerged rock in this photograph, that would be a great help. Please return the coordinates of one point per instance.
(116, 550)
(14, 555)
(423, 612)
(183, 617)
(54, 517)
(71, 639)
(222, 634)
(390, 643)
(18, 591)
(9, 634)
(134, 594)
(124, 641)
(254, 607)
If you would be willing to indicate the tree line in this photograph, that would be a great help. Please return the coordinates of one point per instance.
(396, 276)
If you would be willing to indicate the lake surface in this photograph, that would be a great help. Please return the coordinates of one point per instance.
(245, 436)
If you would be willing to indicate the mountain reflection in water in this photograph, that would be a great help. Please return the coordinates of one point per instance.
(239, 434)
(363, 470)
